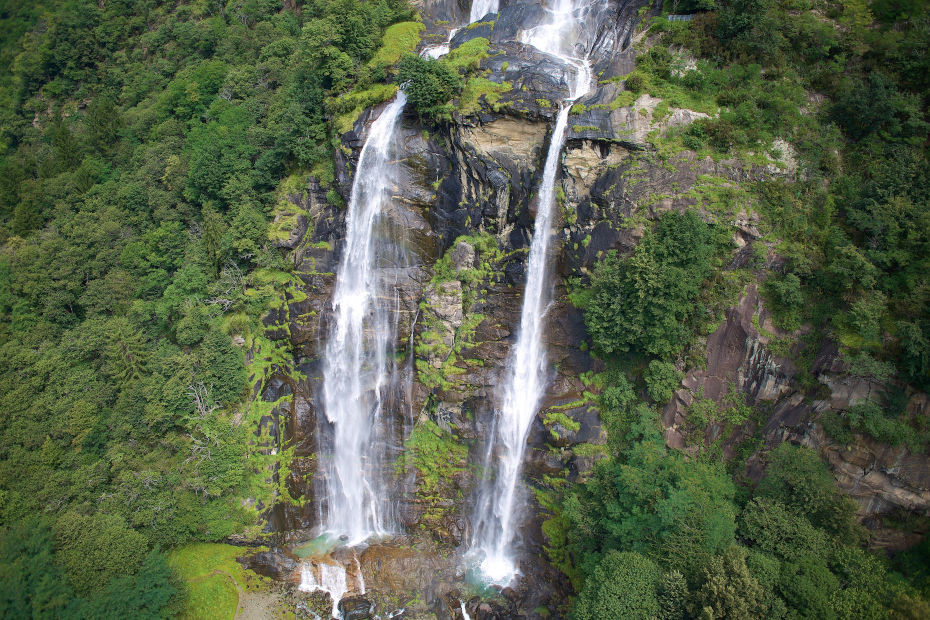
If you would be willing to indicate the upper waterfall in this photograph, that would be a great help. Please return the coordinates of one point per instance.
(356, 357)
(526, 375)
(480, 8)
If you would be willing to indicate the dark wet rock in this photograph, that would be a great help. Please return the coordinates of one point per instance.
(272, 564)
(356, 608)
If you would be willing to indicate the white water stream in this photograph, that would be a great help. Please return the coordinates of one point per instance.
(526, 375)
(356, 359)
(329, 578)
(480, 8)
(355, 362)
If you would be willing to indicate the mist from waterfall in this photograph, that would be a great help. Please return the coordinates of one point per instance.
(357, 356)
(525, 380)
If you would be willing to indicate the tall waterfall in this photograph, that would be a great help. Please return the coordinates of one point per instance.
(525, 380)
(480, 8)
(357, 354)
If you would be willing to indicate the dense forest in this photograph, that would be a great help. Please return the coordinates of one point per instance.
(148, 151)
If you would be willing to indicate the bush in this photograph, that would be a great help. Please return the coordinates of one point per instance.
(868, 417)
(661, 381)
(729, 590)
(95, 549)
(429, 84)
(772, 528)
(635, 83)
(785, 299)
(798, 479)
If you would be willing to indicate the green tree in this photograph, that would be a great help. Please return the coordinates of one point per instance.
(222, 367)
(622, 586)
(728, 589)
(102, 124)
(797, 478)
(31, 583)
(646, 302)
(429, 84)
(661, 381)
(95, 549)
(772, 528)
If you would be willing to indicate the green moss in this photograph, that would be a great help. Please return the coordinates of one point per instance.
(210, 575)
(578, 108)
(543, 103)
(437, 456)
(398, 40)
(477, 88)
(553, 418)
(590, 450)
(624, 99)
(474, 25)
(352, 104)
(468, 56)
(324, 171)
(475, 281)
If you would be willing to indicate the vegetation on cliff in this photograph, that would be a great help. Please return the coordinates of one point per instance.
(148, 151)
(846, 258)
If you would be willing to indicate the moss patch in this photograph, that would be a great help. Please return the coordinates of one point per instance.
(398, 40)
(348, 107)
(478, 87)
(437, 457)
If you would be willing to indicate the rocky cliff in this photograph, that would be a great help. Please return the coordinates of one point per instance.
(465, 198)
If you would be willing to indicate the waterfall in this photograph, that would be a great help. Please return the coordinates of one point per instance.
(357, 354)
(525, 379)
(331, 579)
(480, 8)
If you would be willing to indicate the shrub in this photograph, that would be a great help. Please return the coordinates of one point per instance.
(772, 528)
(798, 479)
(785, 299)
(429, 84)
(661, 381)
(635, 83)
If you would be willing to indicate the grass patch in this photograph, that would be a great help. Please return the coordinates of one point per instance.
(467, 56)
(349, 106)
(209, 571)
(398, 40)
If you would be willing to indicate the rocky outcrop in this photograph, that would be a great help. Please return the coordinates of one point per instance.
(600, 119)
(885, 481)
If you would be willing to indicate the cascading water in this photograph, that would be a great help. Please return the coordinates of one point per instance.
(328, 578)
(526, 371)
(356, 357)
(480, 8)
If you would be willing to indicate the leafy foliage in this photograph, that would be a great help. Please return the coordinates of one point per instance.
(429, 84)
(623, 585)
(141, 150)
(647, 301)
